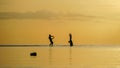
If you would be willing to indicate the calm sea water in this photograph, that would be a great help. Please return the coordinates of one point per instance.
(60, 57)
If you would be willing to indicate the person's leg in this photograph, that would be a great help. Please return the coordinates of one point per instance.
(71, 43)
(52, 43)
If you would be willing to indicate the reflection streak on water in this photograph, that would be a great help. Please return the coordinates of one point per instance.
(64, 56)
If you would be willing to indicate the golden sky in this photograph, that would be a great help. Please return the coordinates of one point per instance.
(30, 21)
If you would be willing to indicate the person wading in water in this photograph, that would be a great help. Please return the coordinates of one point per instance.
(70, 40)
(51, 40)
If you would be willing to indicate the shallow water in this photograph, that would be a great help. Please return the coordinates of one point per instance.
(60, 57)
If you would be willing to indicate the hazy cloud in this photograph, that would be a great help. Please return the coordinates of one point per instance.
(4, 2)
(43, 15)
(27, 15)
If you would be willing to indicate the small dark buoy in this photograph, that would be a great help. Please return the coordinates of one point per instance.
(33, 54)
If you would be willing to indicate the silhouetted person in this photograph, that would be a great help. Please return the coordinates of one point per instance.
(70, 40)
(51, 39)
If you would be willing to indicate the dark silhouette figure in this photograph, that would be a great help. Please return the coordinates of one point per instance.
(51, 39)
(70, 40)
(33, 54)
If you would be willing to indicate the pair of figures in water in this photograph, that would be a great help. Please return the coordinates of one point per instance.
(52, 37)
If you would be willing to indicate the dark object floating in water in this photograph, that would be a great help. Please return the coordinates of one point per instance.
(33, 54)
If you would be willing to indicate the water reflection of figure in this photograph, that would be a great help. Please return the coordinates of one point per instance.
(70, 56)
(50, 56)
(70, 41)
(51, 39)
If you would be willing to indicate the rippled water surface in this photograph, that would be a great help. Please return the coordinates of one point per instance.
(60, 57)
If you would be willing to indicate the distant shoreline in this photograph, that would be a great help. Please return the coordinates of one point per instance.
(32, 45)
(22, 45)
